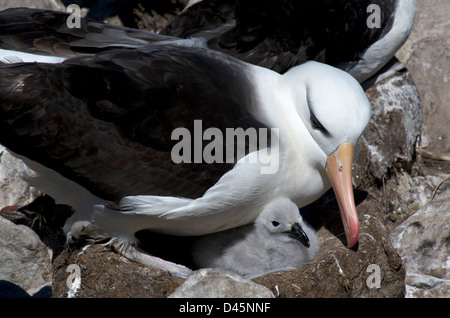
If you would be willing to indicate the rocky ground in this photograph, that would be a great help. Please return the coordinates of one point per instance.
(402, 193)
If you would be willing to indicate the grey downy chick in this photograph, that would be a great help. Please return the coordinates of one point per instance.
(277, 240)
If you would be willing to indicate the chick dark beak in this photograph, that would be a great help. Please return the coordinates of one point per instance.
(298, 234)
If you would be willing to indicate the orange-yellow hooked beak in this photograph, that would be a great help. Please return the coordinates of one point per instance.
(339, 170)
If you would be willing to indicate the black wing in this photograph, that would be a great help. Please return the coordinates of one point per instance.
(279, 34)
(46, 32)
(105, 121)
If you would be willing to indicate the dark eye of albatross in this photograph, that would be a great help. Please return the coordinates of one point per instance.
(275, 223)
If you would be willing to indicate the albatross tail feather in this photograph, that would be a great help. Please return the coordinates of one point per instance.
(134, 213)
(151, 204)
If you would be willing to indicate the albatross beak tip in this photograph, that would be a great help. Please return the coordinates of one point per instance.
(339, 170)
(352, 232)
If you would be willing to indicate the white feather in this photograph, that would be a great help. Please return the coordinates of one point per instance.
(10, 57)
(64, 191)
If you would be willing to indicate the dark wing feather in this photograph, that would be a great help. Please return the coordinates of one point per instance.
(105, 121)
(339, 27)
(46, 32)
(279, 34)
(258, 32)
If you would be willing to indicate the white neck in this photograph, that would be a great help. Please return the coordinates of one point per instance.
(278, 96)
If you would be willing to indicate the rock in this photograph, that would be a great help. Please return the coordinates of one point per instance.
(13, 189)
(391, 134)
(24, 260)
(40, 4)
(423, 242)
(152, 17)
(339, 271)
(403, 194)
(217, 283)
(103, 273)
(426, 57)
(45, 218)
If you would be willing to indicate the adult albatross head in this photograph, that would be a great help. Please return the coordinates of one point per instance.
(334, 111)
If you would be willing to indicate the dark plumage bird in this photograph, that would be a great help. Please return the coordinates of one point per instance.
(277, 34)
(95, 117)
(358, 36)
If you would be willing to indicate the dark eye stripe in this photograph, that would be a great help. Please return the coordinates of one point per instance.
(317, 125)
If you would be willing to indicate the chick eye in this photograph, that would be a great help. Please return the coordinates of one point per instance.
(275, 223)
(317, 125)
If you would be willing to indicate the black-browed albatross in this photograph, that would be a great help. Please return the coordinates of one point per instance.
(97, 129)
(358, 36)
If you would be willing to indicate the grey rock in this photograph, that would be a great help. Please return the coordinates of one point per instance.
(39, 4)
(391, 134)
(13, 189)
(423, 239)
(24, 260)
(217, 283)
(426, 57)
(423, 242)
(431, 68)
(403, 194)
